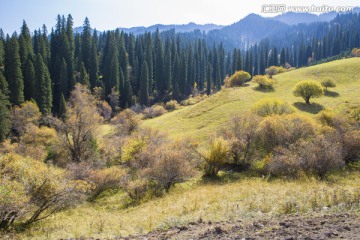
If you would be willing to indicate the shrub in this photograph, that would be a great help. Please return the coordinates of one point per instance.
(328, 83)
(240, 132)
(284, 130)
(154, 111)
(355, 52)
(127, 120)
(263, 81)
(239, 78)
(271, 106)
(172, 105)
(316, 157)
(27, 114)
(308, 89)
(37, 190)
(154, 164)
(351, 146)
(104, 179)
(194, 100)
(215, 156)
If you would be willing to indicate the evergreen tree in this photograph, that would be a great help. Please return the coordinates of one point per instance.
(111, 65)
(29, 80)
(86, 44)
(208, 78)
(84, 77)
(5, 116)
(64, 83)
(176, 78)
(43, 86)
(4, 86)
(159, 64)
(167, 70)
(13, 73)
(94, 64)
(149, 61)
(2, 52)
(144, 84)
(62, 108)
(282, 57)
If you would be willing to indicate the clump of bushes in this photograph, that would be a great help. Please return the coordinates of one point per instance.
(271, 106)
(237, 79)
(194, 100)
(154, 111)
(215, 156)
(355, 52)
(154, 164)
(263, 81)
(30, 190)
(172, 105)
(127, 121)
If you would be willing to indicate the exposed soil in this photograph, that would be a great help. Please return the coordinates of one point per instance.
(340, 226)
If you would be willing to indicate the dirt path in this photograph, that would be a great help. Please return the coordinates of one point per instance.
(340, 226)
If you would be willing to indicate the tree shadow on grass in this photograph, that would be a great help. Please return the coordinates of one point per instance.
(264, 90)
(310, 108)
(331, 94)
(223, 177)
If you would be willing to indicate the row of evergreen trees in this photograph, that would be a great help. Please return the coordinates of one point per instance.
(150, 67)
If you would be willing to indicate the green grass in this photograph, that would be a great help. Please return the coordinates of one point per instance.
(205, 118)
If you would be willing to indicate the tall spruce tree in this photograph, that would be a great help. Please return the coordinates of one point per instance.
(94, 63)
(13, 73)
(43, 86)
(144, 85)
(159, 64)
(29, 83)
(62, 108)
(86, 44)
(209, 74)
(5, 116)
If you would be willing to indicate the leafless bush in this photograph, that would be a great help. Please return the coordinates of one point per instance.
(154, 111)
(127, 121)
(172, 105)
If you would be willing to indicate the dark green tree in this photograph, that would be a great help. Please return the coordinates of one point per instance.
(29, 80)
(13, 73)
(84, 76)
(86, 44)
(62, 108)
(144, 85)
(5, 116)
(94, 63)
(208, 78)
(43, 86)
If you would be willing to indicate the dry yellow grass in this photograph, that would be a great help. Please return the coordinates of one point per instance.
(245, 198)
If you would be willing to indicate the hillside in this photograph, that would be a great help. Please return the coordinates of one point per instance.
(200, 120)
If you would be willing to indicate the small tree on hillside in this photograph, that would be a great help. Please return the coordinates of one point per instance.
(328, 83)
(273, 70)
(308, 89)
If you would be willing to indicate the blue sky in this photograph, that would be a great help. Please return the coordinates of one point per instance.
(110, 14)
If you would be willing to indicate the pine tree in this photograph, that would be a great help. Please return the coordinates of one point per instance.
(176, 78)
(94, 64)
(144, 85)
(84, 77)
(64, 82)
(2, 52)
(62, 108)
(167, 70)
(5, 116)
(208, 78)
(282, 57)
(29, 80)
(111, 65)
(159, 64)
(43, 86)
(13, 73)
(4, 86)
(86, 44)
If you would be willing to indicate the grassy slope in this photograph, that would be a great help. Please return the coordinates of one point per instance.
(243, 198)
(200, 120)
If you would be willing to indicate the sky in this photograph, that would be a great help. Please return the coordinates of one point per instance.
(110, 14)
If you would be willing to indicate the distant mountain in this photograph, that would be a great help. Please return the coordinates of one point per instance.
(178, 28)
(248, 30)
(292, 18)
